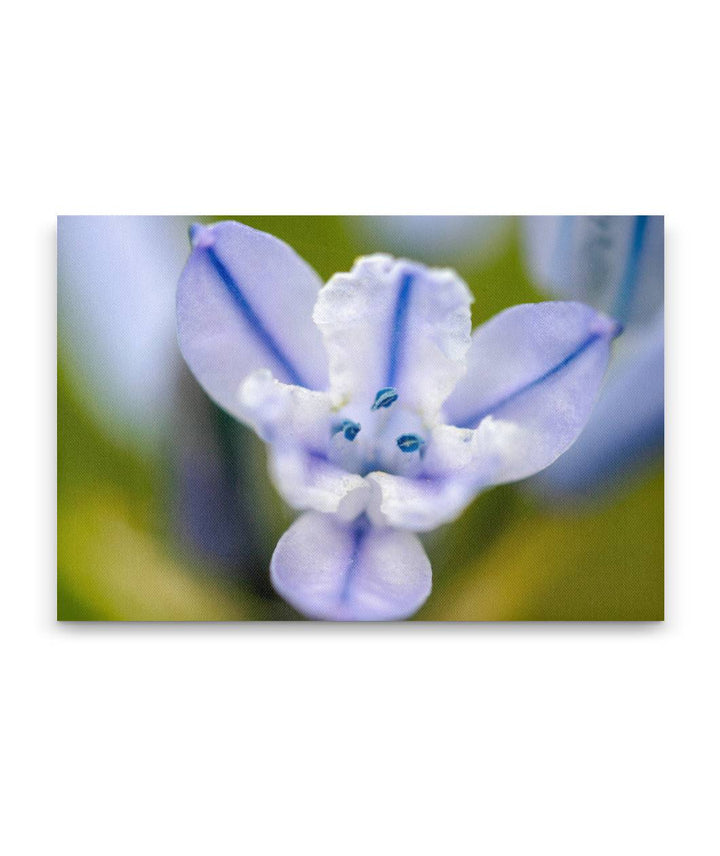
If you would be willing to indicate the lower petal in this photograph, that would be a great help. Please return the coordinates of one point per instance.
(331, 570)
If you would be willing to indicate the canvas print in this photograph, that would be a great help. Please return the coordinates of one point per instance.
(368, 419)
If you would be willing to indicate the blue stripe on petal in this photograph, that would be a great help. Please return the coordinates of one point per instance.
(632, 267)
(358, 538)
(394, 325)
(259, 329)
(339, 571)
(626, 429)
(398, 330)
(533, 379)
(474, 420)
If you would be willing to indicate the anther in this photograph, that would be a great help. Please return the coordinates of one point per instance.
(385, 397)
(409, 442)
(349, 429)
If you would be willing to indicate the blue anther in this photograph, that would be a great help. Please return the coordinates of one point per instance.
(349, 429)
(385, 397)
(409, 442)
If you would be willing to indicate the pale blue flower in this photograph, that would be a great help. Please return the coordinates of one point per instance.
(435, 238)
(117, 278)
(615, 264)
(383, 415)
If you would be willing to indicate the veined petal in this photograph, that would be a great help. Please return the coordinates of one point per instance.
(330, 570)
(244, 302)
(395, 324)
(614, 263)
(626, 430)
(533, 377)
(418, 504)
(306, 480)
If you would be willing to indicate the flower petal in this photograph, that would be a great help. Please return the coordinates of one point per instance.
(533, 377)
(626, 430)
(285, 414)
(330, 570)
(395, 324)
(307, 480)
(244, 302)
(614, 263)
(418, 504)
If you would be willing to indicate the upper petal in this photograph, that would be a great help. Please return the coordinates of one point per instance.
(394, 323)
(331, 570)
(613, 263)
(534, 372)
(626, 429)
(244, 302)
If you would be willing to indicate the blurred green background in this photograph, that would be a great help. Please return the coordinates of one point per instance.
(182, 526)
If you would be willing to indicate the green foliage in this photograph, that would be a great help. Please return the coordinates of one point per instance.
(603, 563)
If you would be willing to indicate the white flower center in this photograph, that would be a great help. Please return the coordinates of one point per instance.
(387, 437)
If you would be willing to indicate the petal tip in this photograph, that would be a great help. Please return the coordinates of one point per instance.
(606, 327)
(201, 236)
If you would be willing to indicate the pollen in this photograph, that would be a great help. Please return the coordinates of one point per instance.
(349, 429)
(409, 442)
(385, 397)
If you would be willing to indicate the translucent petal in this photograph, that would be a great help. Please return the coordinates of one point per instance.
(626, 430)
(244, 302)
(330, 570)
(534, 373)
(395, 324)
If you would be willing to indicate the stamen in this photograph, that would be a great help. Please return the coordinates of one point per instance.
(409, 442)
(385, 397)
(349, 429)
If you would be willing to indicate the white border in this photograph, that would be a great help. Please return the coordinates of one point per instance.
(412, 739)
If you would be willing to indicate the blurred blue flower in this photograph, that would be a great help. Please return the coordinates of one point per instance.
(117, 278)
(435, 238)
(615, 264)
(116, 316)
(385, 416)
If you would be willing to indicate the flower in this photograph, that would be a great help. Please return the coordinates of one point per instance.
(117, 279)
(383, 415)
(435, 238)
(615, 264)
